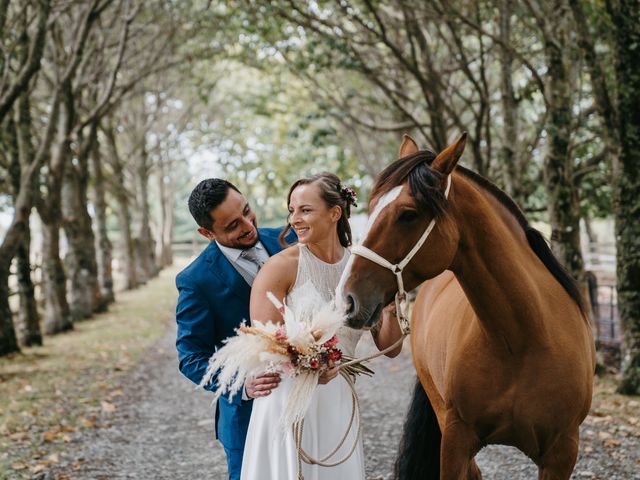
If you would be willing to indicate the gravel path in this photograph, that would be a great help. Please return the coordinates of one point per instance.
(163, 429)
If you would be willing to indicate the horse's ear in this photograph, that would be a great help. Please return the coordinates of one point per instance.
(447, 159)
(408, 147)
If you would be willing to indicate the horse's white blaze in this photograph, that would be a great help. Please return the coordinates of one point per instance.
(385, 200)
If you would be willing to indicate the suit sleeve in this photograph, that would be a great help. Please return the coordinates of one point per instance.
(196, 339)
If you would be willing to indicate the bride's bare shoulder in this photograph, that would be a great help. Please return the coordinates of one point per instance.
(282, 266)
(285, 258)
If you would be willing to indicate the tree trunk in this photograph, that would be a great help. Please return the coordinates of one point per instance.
(146, 243)
(28, 323)
(57, 314)
(120, 193)
(564, 208)
(167, 195)
(28, 317)
(82, 268)
(57, 317)
(103, 247)
(509, 158)
(626, 19)
(8, 341)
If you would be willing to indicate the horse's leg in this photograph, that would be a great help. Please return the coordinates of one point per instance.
(473, 471)
(459, 445)
(558, 462)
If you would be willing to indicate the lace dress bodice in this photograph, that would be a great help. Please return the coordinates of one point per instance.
(315, 283)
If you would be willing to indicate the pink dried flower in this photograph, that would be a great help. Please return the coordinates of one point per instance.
(281, 334)
(332, 342)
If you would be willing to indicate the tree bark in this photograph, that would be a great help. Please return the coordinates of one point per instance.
(28, 321)
(625, 15)
(82, 268)
(167, 204)
(57, 316)
(103, 247)
(564, 207)
(146, 245)
(28, 318)
(120, 193)
(509, 158)
(8, 340)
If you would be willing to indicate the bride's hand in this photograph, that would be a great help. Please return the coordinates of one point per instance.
(328, 375)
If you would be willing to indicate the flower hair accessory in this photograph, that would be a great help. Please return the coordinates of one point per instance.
(349, 194)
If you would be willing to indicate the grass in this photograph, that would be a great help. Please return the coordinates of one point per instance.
(73, 382)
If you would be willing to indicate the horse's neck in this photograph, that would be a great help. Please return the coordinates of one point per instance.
(502, 277)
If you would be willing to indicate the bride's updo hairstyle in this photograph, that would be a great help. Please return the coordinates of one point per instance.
(333, 193)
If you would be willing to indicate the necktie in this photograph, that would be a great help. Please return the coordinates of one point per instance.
(252, 255)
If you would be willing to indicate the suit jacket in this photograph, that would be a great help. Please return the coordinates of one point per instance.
(213, 300)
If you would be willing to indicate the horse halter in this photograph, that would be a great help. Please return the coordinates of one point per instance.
(401, 295)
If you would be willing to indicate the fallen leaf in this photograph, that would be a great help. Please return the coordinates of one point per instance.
(19, 466)
(611, 442)
(38, 468)
(116, 393)
(108, 407)
(88, 422)
(49, 436)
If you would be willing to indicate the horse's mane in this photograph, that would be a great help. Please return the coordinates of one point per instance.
(424, 183)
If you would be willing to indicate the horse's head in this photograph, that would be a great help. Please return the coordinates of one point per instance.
(406, 197)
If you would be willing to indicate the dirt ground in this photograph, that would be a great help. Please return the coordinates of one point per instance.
(162, 428)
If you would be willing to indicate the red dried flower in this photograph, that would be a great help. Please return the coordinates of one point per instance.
(335, 355)
(314, 363)
(332, 342)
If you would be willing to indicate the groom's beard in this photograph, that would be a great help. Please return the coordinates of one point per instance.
(249, 239)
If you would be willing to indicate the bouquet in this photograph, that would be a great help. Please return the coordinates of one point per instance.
(303, 347)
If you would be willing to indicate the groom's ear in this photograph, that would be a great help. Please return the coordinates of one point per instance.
(209, 235)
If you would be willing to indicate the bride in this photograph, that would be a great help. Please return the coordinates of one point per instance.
(319, 208)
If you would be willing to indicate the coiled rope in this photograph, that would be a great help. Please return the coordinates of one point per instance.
(298, 427)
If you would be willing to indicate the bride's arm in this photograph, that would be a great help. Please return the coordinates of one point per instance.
(387, 331)
(276, 276)
(273, 277)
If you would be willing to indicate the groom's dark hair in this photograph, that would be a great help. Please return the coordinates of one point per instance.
(207, 195)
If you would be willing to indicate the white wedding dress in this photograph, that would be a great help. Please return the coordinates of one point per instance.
(270, 452)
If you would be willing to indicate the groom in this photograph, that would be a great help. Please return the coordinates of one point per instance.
(213, 300)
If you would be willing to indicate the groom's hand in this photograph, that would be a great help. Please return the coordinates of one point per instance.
(262, 385)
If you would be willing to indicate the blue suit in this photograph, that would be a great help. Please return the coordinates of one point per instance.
(213, 301)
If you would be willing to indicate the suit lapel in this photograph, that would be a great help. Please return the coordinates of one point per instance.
(272, 244)
(222, 267)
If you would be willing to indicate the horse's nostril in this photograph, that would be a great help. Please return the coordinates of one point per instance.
(350, 306)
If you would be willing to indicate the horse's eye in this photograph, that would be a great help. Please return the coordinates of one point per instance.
(408, 216)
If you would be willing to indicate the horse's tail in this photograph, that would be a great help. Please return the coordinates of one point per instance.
(419, 452)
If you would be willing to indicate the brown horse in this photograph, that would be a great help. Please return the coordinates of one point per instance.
(499, 335)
